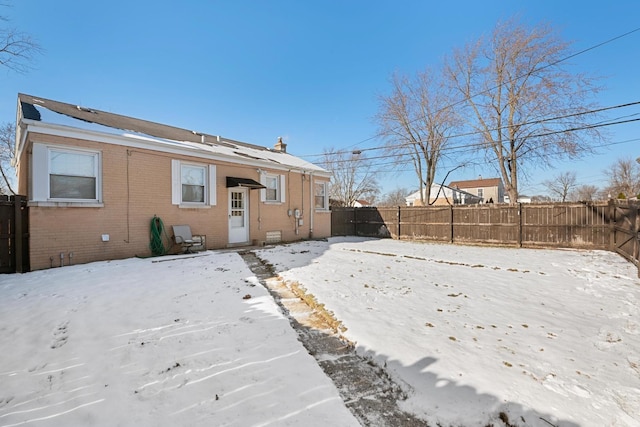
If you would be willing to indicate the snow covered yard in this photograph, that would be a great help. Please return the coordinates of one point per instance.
(155, 342)
(545, 337)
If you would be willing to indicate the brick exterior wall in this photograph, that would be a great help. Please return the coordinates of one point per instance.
(136, 185)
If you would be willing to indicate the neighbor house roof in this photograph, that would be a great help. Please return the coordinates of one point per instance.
(36, 113)
(438, 191)
(476, 183)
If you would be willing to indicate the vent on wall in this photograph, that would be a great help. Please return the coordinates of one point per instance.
(274, 236)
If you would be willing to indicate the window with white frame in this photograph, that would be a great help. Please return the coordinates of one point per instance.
(272, 188)
(480, 192)
(63, 174)
(275, 188)
(193, 184)
(193, 181)
(321, 195)
(72, 174)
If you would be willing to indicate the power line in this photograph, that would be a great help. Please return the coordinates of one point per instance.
(539, 121)
(379, 134)
(483, 163)
(471, 146)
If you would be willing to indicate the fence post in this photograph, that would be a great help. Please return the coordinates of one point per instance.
(355, 221)
(612, 225)
(519, 225)
(636, 228)
(18, 234)
(399, 213)
(451, 223)
(638, 237)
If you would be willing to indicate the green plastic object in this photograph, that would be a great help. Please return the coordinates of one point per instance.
(156, 232)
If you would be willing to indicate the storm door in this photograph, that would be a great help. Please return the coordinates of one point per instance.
(238, 215)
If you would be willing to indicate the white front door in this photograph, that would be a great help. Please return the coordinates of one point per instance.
(238, 215)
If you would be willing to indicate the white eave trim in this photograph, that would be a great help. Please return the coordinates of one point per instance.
(156, 144)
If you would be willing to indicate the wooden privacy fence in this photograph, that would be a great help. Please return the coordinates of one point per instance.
(610, 226)
(14, 234)
(625, 231)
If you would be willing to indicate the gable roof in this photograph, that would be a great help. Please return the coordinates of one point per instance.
(477, 183)
(36, 111)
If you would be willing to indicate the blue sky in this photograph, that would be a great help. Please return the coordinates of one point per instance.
(309, 71)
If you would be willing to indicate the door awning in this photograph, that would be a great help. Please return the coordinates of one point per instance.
(243, 182)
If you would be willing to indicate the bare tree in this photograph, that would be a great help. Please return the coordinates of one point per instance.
(353, 177)
(16, 52)
(624, 178)
(526, 107)
(561, 185)
(7, 144)
(395, 198)
(416, 120)
(585, 193)
(17, 49)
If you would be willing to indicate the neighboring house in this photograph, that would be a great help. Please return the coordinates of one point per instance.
(443, 195)
(361, 204)
(488, 189)
(521, 199)
(337, 203)
(95, 181)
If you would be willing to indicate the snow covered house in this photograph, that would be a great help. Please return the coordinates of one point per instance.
(443, 195)
(95, 181)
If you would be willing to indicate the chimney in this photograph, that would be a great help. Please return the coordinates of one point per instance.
(280, 146)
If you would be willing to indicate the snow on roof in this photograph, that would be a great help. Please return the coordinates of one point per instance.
(435, 191)
(52, 112)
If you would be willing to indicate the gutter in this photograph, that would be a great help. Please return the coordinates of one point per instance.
(311, 205)
(21, 136)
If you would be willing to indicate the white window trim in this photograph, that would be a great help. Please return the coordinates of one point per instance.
(325, 184)
(281, 191)
(176, 185)
(40, 190)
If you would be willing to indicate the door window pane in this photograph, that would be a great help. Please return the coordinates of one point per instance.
(237, 210)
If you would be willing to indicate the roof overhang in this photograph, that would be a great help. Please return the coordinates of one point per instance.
(243, 182)
(104, 127)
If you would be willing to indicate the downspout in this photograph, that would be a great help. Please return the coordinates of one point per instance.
(302, 178)
(21, 140)
(21, 132)
(311, 205)
(260, 172)
(128, 200)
